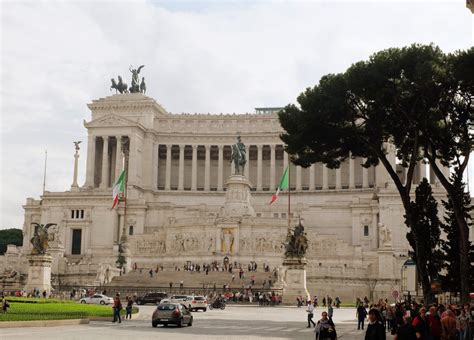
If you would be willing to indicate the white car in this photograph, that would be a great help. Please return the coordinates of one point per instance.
(98, 299)
(199, 302)
(183, 299)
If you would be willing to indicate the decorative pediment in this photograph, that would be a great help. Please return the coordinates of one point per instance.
(110, 120)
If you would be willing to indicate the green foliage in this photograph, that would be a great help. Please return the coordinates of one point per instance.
(424, 237)
(450, 246)
(10, 236)
(55, 311)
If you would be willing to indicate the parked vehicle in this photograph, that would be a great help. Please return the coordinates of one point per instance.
(153, 297)
(183, 299)
(199, 302)
(172, 313)
(97, 299)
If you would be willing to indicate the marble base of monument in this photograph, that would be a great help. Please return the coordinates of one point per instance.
(39, 273)
(294, 280)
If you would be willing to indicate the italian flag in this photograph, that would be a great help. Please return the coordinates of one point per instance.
(282, 186)
(119, 188)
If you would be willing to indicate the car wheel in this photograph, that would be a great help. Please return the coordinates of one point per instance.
(223, 307)
(102, 302)
(204, 309)
(83, 301)
(210, 307)
(180, 323)
(190, 322)
(154, 324)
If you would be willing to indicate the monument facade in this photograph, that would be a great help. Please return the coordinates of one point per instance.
(188, 200)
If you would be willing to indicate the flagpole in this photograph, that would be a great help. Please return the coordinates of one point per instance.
(44, 174)
(289, 194)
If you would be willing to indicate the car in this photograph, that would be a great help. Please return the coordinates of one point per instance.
(98, 299)
(172, 313)
(184, 299)
(152, 297)
(199, 302)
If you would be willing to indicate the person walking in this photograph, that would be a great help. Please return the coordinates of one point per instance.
(128, 309)
(310, 311)
(434, 324)
(325, 328)
(421, 324)
(406, 331)
(375, 328)
(448, 325)
(117, 307)
(361, 315)
(330, 311)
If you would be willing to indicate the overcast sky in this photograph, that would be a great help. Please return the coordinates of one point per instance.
(217, 56)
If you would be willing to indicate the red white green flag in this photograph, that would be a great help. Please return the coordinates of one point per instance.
(119, 188)
(282, 186)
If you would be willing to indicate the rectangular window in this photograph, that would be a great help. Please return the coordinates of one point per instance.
(275, 215)
(130, 230)
(77, 213)
(72, 213)
(283, 215)
(366, 230)
(82, 213)
(76, 241)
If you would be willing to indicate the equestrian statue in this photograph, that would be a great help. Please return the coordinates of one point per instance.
(239, 156)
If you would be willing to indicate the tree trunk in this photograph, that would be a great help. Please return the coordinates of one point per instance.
(464, 263)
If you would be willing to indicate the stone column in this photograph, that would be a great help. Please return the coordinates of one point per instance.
(325, 177)
(422, 171)
(338, 178)
(168, 167)
(118, 157)
(194, 169)
(74, 186)
(311, 177)
(105, 164)
(90, 161)
(272, 167)
(351, 173)
(259, 167)
(181, 168)
(285, 161)
(154, 180)
(298, 178)
(365, 176)
(247, 166)
(220, 168)
(207, 169)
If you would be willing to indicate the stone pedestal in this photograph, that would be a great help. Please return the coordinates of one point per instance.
(39, 273)
(294, 280)
(237, 200)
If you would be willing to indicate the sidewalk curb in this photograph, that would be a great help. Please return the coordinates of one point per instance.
(42, 323)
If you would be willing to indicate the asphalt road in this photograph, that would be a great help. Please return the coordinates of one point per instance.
(235, 322)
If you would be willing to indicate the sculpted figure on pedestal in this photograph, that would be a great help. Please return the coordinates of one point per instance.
(385, 236)
(40, 238)
(296, 243)
(239, 156)
(135, 86)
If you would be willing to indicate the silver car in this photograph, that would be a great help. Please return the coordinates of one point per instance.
(97, 299)
(172, 313)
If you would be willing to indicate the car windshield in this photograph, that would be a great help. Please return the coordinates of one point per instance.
(180, 297)
(166, 307)
(198, 298)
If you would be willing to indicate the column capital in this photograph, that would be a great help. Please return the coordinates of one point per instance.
(194, 146)
(272, 146)
(259, 146)
(168, 146)
(220, 147)
(182, 146)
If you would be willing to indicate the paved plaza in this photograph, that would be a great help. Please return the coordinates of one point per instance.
(235, 322)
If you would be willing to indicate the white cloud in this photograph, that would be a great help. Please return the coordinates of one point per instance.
(199, 56)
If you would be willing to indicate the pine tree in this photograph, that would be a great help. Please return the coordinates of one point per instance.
(451, 279)
(424, 238)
